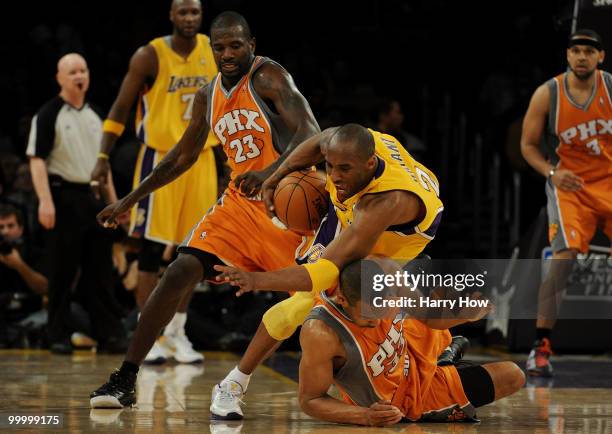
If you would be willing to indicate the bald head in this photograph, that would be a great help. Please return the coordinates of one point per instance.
(353, 139)
(73, 74)
(70, 60)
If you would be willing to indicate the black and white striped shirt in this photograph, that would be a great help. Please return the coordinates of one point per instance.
(68, 138)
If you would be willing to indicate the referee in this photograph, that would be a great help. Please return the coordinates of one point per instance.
(63, 149)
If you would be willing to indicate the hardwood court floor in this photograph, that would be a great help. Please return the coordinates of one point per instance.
(175, 398)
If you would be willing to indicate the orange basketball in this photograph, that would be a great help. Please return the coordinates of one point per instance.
(300, 200)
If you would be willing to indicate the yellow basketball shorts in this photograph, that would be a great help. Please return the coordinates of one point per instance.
(168, 214)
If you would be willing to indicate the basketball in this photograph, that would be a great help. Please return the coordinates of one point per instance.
(300, 200)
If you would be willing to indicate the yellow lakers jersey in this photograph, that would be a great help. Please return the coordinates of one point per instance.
(164, 110)
(396, 170)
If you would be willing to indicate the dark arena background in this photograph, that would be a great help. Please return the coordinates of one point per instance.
(462, 73)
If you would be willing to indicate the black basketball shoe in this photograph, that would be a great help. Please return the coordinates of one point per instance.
(119, 392)
(454, 352)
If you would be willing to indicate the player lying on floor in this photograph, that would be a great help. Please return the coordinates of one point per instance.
(387, 370)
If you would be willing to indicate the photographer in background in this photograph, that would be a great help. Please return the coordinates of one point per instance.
(15, 272)
(22, 286)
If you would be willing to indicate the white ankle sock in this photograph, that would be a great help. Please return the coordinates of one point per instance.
(238, 377)
(176, 324)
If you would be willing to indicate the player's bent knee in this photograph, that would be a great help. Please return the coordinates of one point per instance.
(283, 319)
(207, 261)
(182, 273)
(507, 378)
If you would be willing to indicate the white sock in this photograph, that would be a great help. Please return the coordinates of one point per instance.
(177, 324)
(238, 377)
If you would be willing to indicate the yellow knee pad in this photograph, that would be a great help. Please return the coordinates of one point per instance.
(282, 319)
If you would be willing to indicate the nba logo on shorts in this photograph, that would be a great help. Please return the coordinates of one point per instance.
(553, 228)
(203, 235)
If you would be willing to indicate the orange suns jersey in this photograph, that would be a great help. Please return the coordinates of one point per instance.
(395, 361)
(583, 132)
(251, 134)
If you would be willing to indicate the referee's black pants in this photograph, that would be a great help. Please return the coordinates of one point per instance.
(80, 250)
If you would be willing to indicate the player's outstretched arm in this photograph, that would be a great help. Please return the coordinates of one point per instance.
(320, 345)
(374, 214)
(143, 68)
(177, 161)
(274, 84)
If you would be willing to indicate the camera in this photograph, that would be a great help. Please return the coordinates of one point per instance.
(6, 245)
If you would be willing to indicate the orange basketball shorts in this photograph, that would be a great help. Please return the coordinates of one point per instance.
(574, 216)
(239, 232)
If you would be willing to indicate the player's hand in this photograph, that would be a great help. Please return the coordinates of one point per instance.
(267, 192)
(46, 214)
(566, 180)
(235, 277)
(250, 182)
(99, 176)
(382, 413)
(114, 214)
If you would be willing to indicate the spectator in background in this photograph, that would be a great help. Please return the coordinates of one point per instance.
(390, 120)
(22, 285)
(13, 249)
(63, 148)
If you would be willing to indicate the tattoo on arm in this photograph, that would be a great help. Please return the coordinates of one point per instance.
(295, 105)
(276, 85)
(167, 170)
